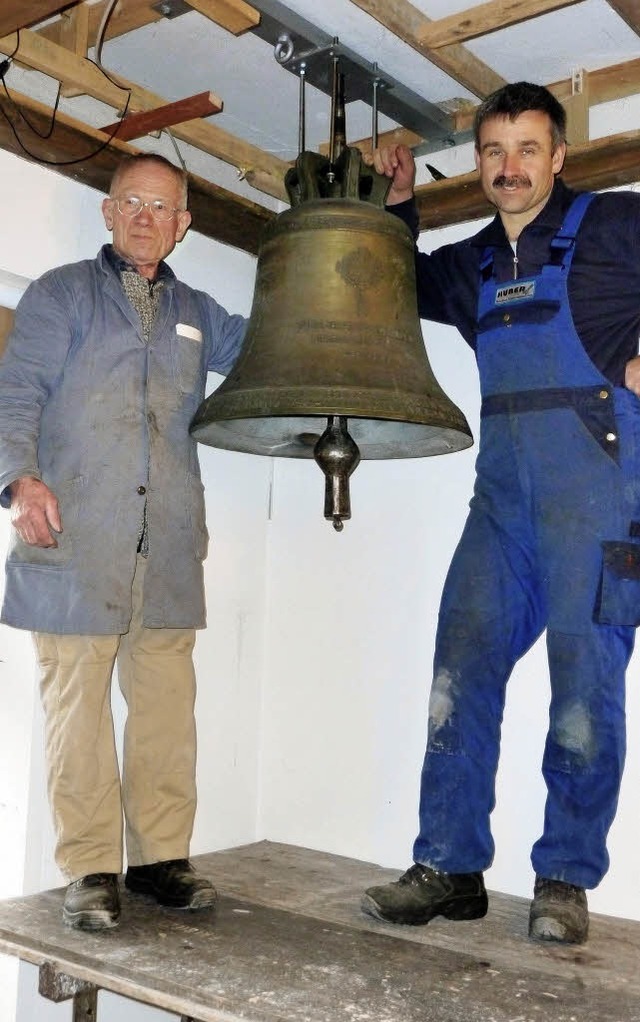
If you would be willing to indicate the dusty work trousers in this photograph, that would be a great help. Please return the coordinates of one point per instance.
(157, 794)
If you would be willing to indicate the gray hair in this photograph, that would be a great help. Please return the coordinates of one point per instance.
(149, 158)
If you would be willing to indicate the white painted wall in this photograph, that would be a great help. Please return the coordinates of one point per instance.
(314, 671)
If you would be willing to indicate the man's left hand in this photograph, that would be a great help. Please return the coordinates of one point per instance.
(632, 375)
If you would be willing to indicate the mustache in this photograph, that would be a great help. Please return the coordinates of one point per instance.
(516, 180)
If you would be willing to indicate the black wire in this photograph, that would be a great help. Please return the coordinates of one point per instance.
(31, 126)
(42, 159)
(59, 163)
(6, 63)
(12, 55)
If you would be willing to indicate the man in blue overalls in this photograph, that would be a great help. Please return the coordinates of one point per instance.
(548, 295)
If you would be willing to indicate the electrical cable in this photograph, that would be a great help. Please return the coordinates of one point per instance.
(6, 63)
(100, 36)
(175, 146)
(31, 126)
(41, 159)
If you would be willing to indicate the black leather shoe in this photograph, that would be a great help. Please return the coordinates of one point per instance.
(558, 912)
(92, 902)
(174, 883)
(423, 893)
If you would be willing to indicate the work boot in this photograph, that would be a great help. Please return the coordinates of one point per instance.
(558, 912)
(174, 883)
(92, 902)
(422, 893)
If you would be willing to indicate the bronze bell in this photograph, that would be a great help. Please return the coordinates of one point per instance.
(333, 364)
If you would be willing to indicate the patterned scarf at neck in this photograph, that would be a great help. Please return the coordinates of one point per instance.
(144, 295)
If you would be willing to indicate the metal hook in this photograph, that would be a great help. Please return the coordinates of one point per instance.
(283, 49)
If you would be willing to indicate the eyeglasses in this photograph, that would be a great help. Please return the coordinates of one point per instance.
(131, 205)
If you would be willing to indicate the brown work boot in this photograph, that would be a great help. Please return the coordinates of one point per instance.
(423, 893)
(92, 902)
(558, 912)
(173, 883)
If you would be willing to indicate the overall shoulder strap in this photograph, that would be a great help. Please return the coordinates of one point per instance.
(562, 246)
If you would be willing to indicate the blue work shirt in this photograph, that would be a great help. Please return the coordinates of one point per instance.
(603, 284)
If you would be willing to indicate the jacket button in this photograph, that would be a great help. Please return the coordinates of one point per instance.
(611, 437)
(604, 394)
(142, 490)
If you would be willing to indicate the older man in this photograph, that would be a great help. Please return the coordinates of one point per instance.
(100, 379)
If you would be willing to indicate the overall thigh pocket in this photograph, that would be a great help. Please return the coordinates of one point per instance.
(619, 597)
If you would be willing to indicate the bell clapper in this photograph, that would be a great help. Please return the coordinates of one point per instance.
(337, 454)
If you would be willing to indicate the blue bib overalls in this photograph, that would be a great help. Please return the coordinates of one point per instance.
(551, 541)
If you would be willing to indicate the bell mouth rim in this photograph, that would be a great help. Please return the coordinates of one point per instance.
(296, 436)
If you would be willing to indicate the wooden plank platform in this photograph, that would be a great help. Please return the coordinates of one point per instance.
(287, 941)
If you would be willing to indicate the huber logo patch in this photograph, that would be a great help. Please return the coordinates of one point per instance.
(515, 292)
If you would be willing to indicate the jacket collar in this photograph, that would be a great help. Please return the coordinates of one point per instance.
(112, 263)
(548, 220)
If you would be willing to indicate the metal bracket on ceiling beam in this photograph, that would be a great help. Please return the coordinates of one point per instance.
(300, 42)
(577, 81)
(172, 8)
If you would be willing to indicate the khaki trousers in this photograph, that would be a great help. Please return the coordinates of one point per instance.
(157, 793)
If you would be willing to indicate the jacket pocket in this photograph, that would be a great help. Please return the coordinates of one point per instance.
(187, 364)
(619, 597)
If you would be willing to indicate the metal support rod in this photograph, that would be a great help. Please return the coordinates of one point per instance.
(302, 109)
(334, 106)
(374, 109)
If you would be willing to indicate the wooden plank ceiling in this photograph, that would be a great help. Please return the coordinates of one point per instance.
(56, 35)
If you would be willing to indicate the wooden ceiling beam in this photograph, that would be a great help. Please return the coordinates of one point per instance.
(483, 19)
(606, 85)
(79, 152)
(126, 18)
(629, 11)
(233, 220)
(260, 169)
(404, 20)
(234, 15)
(607, 163)
(21, 13)
(74, 35)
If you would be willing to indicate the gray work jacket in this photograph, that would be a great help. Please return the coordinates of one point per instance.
(102, 418)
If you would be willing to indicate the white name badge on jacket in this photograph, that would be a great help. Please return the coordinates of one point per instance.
(192, 332)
